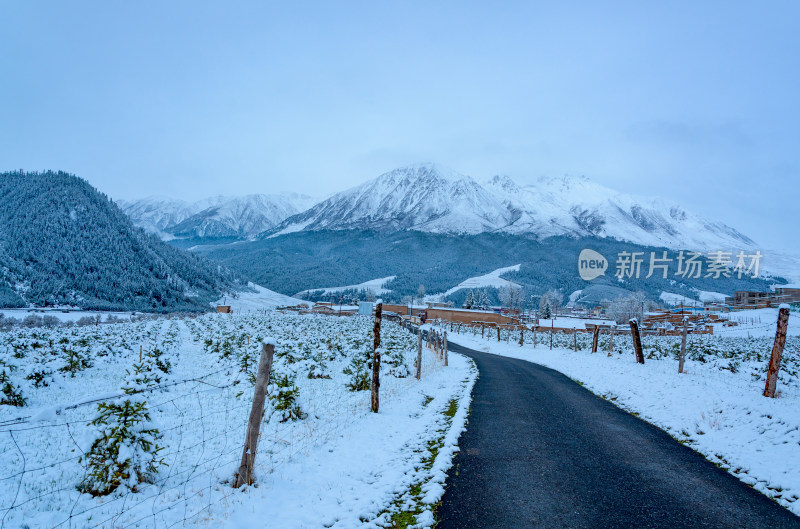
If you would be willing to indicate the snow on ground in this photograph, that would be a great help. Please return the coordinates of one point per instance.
(262, 298)
(718, 411)
(710, 297)
(350, 481)
(375, 285)
(756, 323)
(703, 296)
(338, 465)
(490, 280)
(679, 299)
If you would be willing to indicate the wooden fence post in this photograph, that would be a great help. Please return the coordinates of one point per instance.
(777, 351)
(685, 331)
(498, 333)
(575, 339)
(551, 338)
(637, 341)
(419, 355)
(376, 359)
(444, 347)
(482, 330)
(595, 338)
(521, 336)
(245, 473)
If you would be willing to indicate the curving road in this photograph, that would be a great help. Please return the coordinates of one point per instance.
(541, 451)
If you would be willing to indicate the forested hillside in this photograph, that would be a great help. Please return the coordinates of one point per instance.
(310, 260)
(64, 243)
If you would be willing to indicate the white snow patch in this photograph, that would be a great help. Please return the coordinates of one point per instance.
(490, 280)
(375, 285)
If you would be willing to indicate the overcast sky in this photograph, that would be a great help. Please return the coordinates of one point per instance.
(693, 101)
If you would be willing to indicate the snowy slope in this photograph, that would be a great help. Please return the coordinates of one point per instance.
(431, 198)
(218, 216)
(375, 285)
(424, 197)
(577, 206)
(157, 213)
(261, 298)
(490, 280)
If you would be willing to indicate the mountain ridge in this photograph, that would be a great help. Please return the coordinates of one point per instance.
(428, 197)
(218, 216)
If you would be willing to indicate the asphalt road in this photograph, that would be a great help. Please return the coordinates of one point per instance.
(541, 451)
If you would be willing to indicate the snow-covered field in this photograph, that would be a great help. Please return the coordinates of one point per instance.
(323, 460)
(716, 407)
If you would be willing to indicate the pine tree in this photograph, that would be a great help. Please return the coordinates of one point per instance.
(126, 451)
(484, 300)
(10, 393)
(469, 302)
(284, 400)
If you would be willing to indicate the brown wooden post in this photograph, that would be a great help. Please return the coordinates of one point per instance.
(419, 355)
(521, 336)
(777, 352)
(444, 348)
(637, 341)
(245, 473)
(551, 338)
(376, 359)
(482, 330)
(575, 339)
(685, 331)
(498, 332)
(595, 338)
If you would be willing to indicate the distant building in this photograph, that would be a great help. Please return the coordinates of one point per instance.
(751, 299)
(788, 294)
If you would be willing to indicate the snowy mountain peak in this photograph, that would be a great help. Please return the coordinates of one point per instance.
(429, 197)
(218, 216)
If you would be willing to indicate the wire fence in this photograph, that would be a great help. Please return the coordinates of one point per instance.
(201, 423)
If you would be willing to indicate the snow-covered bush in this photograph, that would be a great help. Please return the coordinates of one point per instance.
(126, 452)
(284, 398)
(358, 372)
(10, 392)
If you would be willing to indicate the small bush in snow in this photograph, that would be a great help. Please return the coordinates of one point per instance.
(126, 451)
(284, 398)
(358, 372)
(10, 393)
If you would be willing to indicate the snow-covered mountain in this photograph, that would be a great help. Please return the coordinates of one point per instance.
(218, 216)
(431, 198)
